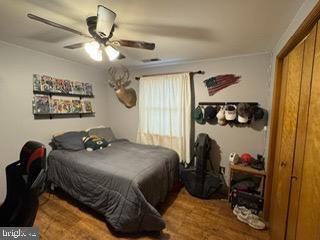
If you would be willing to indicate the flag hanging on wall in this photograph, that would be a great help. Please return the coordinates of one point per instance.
(217, 83)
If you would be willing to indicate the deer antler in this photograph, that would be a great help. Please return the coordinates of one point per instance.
(112, 72)
(119, 80)
(125, 74)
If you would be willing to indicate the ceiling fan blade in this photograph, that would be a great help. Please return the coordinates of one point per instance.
(134, 44)
(57, 25)
(75, 46)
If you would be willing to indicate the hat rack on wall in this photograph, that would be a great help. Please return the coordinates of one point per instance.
(234, 118)
(225, 103)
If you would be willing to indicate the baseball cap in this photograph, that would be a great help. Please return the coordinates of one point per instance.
(210, 113)
(243, 112)
(198, 115)
(231, 112)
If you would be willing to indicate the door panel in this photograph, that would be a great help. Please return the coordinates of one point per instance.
(286, 144)
(277, 230)
(301, 133)
(308, 226)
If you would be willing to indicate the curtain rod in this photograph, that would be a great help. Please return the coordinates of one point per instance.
(161, 74)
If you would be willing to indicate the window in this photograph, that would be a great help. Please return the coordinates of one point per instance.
(165, 112)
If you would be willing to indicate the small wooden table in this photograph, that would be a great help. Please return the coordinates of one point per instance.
(247, 170)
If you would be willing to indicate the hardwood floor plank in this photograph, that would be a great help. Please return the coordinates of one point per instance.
(186, 217)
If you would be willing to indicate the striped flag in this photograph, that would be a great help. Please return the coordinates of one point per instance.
(217, 83)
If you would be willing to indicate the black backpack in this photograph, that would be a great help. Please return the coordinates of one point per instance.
(197, 179)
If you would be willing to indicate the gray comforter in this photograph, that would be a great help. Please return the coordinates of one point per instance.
(124, 182)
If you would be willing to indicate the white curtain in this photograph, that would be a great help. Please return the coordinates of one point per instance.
(165, 112)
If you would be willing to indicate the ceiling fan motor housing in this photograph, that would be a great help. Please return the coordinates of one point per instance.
(92, 27)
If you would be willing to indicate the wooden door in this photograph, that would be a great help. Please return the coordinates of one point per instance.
(308, 226)
(286, 136)
(295, 191)
(297, 171)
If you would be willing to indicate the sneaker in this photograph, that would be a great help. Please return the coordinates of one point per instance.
(256, 223)
(239, 209)
(243, 217)
(252, 220)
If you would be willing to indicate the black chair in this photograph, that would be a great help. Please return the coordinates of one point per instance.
(25, 181)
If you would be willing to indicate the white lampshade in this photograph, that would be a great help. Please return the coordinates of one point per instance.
(94, 51)
(112, 53)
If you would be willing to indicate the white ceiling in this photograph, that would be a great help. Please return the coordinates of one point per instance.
(183, 30)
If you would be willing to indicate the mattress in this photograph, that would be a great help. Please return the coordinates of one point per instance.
(124, 181)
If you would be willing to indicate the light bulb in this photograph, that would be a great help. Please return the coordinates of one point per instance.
(97, 56)
(94, 51)
(112, 53)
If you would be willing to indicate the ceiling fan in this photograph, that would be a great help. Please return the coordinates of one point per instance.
(101, 29)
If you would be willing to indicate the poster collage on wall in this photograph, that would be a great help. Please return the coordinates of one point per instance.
(47, 104)
(47, 84)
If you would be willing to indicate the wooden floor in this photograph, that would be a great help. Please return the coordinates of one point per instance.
(60, 217)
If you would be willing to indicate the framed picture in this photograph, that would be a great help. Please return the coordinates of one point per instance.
(77, 88)
(55, 105)
(62, 86)
(76, 106)
(58, 85)
(36, 82)
(66, 106)
(88, 89)
(47, 84)
(87, 106)
(41, 104)
(67, 87)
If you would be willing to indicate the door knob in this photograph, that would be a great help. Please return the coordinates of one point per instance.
(294, 177)
(283, 163)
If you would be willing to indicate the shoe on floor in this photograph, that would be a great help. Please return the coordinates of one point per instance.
(252, 220)
(237, 209)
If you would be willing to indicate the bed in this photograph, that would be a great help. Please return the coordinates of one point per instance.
(124, 181)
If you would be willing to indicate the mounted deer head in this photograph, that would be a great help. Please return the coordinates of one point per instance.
(119, 81)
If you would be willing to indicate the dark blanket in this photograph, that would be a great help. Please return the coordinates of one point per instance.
(124, 182)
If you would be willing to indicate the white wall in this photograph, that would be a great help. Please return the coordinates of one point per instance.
(18, 125)
(300, 16)
(253, 87)
(302, 13)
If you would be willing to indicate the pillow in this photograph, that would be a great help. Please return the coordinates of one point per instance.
(69, 141)
(103, 132)
(94, 142)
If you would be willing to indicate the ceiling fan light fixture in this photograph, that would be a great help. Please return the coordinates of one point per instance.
(112, 53)
(97, 56)
(94, 51)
